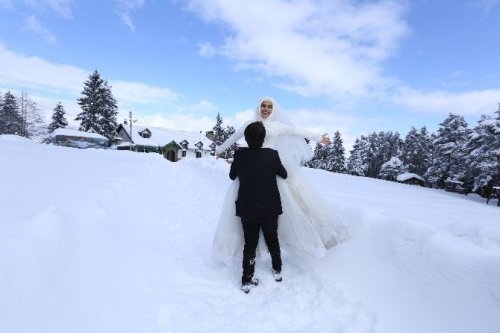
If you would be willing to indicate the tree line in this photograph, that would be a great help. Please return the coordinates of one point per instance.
(454, 156)
(22, 116)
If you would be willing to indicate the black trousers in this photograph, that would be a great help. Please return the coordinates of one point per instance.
(251, 229)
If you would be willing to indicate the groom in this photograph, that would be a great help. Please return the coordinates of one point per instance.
(258, 203)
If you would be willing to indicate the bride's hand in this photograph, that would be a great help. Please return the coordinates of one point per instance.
(325, 139)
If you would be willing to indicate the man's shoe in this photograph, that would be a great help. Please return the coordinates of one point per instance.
(245, 287)
(277, 276)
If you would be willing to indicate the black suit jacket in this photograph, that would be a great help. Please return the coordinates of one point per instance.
(258, 195)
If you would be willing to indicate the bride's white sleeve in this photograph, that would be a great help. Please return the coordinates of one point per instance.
(284, 129)
(232, 139)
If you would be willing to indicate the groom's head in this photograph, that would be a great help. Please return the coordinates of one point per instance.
(255, 134)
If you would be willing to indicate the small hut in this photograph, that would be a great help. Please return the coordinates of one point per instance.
(411, 178)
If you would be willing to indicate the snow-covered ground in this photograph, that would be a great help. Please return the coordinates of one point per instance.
(114, 241)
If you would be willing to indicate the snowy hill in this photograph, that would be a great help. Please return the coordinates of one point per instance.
(114, 241)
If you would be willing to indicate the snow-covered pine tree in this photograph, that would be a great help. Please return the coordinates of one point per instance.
(483, 155)
(229, 153)
(357, 163)
(336, 158)
(392, 168)
(449, 152)
(382, 146)
(58, 118)
(109, 113)
(218, 131)
(220, 135)
(410, 150)
(11, 121)
(2, 120)
(425, 149)
(415, 152)
(317, 161)
(99, 108)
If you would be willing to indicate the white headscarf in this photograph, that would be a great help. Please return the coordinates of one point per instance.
(293, 150)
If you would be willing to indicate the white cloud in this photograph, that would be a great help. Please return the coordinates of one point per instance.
(124, 9)
(464, 103)
(337, 49)
(62, 8)
(206, 50)
(34, 25)
(203, 106)
(52, 82)
(136, 92)
(185, 121)
(310, 47)
(329, 121)
(21, 70)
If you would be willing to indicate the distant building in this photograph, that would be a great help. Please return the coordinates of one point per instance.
(454, 186)
(77, 139)
(172, 144)
(411, 178)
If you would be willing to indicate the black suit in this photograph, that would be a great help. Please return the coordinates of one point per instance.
(258, 203)
(258, 195)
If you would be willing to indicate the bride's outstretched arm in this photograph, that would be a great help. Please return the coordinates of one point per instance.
(284, 129)
(232, 139)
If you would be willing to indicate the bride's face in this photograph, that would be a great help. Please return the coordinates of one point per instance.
(266, 108)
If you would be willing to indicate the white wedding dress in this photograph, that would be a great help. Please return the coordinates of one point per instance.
(307, 224)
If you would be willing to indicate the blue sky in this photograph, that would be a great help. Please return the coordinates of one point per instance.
(352, 66)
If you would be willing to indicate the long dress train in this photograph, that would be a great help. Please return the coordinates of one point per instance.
(307, 223)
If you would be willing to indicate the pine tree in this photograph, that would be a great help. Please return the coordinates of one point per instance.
(392, 168)
(220, 135)
(416, 151)
(425, 152)
(11, 121)
(229, 153)
(319, 158)
(483, 155)
(381, 147)
(58, 118)
(336, 158)
(449, 152)
(2, 120)
(357, 163)
(99, 108)
(218, 131)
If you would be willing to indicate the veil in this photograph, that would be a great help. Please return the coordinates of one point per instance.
(293, 150)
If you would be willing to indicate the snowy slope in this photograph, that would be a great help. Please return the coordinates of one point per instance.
(114, 241)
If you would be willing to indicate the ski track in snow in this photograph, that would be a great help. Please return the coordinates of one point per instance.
(128, 250)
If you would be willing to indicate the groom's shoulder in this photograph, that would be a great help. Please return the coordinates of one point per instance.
(269, 152)
(240, 151)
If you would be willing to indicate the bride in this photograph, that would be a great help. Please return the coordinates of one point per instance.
(307, 224)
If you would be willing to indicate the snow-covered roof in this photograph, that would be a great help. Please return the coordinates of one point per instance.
(163, 136)
(69, 132)
(408, 175)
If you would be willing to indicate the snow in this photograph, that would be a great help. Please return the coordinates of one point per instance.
(69, 132)
(116, 241)
(163, 136)
(408, 175)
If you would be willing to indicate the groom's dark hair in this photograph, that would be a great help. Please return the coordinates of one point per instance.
(255, 134)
